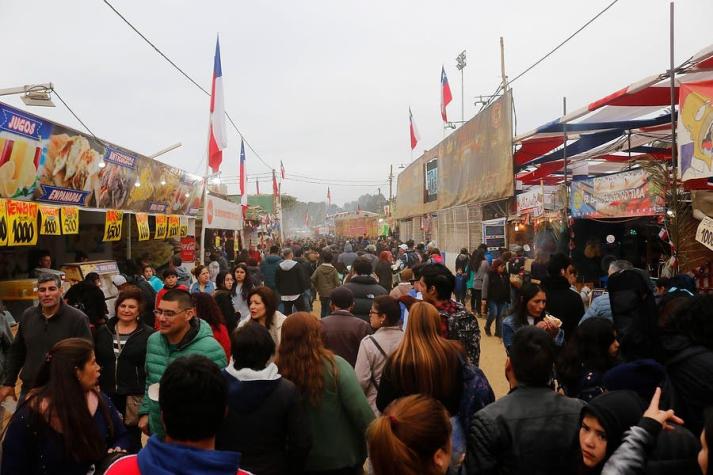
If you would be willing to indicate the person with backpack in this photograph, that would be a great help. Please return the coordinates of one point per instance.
(457, 323)
(88, 297)
(384, 318)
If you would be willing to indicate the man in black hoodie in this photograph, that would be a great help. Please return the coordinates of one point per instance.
(291, 283)
(266, 421)
(364, 287)
(562, 302)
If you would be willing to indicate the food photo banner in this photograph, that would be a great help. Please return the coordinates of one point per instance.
(621, 195)
(44, 161)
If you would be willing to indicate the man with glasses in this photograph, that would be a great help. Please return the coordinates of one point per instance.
(40, 328)
(180, 333)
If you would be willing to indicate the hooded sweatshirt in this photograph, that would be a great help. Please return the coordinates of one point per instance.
(268, 267)
(348, 256)
(290, 281)
(325, 279)
(161, 458)
(266, 422)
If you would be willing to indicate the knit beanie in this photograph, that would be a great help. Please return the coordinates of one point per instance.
(616, 411)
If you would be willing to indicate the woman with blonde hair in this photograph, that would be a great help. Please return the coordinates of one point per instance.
(412, 437)
(338, 411)
(424, 363)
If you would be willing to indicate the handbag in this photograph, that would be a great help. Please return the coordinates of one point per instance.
(133, 403)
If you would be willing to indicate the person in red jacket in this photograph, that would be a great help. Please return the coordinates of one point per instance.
(192, 395)
(170, 281)
(207, 309)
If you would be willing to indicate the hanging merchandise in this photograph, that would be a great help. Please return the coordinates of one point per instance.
(22, 223)
(3, 224)
(49, 221)
(70, 220)
(142, 225)
(112, 225)
(160, 227)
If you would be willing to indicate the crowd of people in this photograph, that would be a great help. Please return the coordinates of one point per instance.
(334, 357)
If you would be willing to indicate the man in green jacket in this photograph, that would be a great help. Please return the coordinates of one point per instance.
(181, 333)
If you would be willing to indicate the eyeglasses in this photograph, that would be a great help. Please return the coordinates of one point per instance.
(168, 313)
(373, 312)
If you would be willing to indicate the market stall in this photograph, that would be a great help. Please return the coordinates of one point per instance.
(66, 197)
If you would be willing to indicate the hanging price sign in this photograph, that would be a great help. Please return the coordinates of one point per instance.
(112, 225)
(70, 220)
(49, 221)
(142, 224)
(174, 223)
(183, 229)
(160, 227)
(3, 224)
(22, 223)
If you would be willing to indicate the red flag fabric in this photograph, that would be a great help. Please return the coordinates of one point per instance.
(243, 182)
(218, 138)
(446, 96)
(413, 131)
(282, 170)
(275, 189)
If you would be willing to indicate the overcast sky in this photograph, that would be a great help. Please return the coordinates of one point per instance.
(325, 86)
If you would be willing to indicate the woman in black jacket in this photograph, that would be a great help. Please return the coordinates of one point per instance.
(120, 348)
(223, 295)
(383, 270)
(266, 421)
(496, 295)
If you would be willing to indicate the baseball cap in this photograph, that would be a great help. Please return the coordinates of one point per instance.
(403, 246)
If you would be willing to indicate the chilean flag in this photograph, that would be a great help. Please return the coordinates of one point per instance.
(282, 170)
(218, 139)
(243, 181)
(446, 96)
(275, 189)
(413, 130)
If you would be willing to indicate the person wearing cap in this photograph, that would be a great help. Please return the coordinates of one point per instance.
(341, 331)
(370, 255)
(180, 334)
(192, 399)
(40, 328)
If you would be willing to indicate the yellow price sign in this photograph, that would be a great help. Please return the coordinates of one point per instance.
(3, 224)
(160, 227)
(22, 223)
(70, 220)
(174, 223)
(142, 224)
(49, 221)
(183, 230)
(112, 225)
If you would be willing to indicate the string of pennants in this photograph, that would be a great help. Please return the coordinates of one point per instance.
(19, 225)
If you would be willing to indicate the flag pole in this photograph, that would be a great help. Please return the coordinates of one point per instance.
(204, 220)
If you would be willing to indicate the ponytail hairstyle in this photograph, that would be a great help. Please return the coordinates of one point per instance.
(404, 439)
(58, 401)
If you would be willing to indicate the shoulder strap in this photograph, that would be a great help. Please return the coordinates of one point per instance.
(378, 347)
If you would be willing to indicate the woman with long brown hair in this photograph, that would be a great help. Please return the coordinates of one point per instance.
(207, 309)
(424, 363)
(412, 437)
(65, 425)
(335, 404)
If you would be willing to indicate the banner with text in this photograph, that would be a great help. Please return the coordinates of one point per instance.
(223, 214)
(49, 221)
(160, 232)
(3, 223)
(70, 220)
(22, 223)
(142, 225)
(621, 195)
(46, 161)
(112, 225)
(174, 225)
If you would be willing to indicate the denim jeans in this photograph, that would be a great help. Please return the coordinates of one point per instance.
(495, 312)
(324, 304)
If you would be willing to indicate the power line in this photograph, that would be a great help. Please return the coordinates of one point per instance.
(591, 20)
(163, 55)
(77, 117)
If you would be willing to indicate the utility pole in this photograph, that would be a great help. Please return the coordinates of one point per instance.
(461, 66)
(672, 214)
(502, 64)
(391, 182)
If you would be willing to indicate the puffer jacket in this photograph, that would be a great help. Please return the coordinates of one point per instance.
(325, 279)
(268, 268)
(649, 450)
(529, 431)
(365, 289)
(125, 374)
(159, 354)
